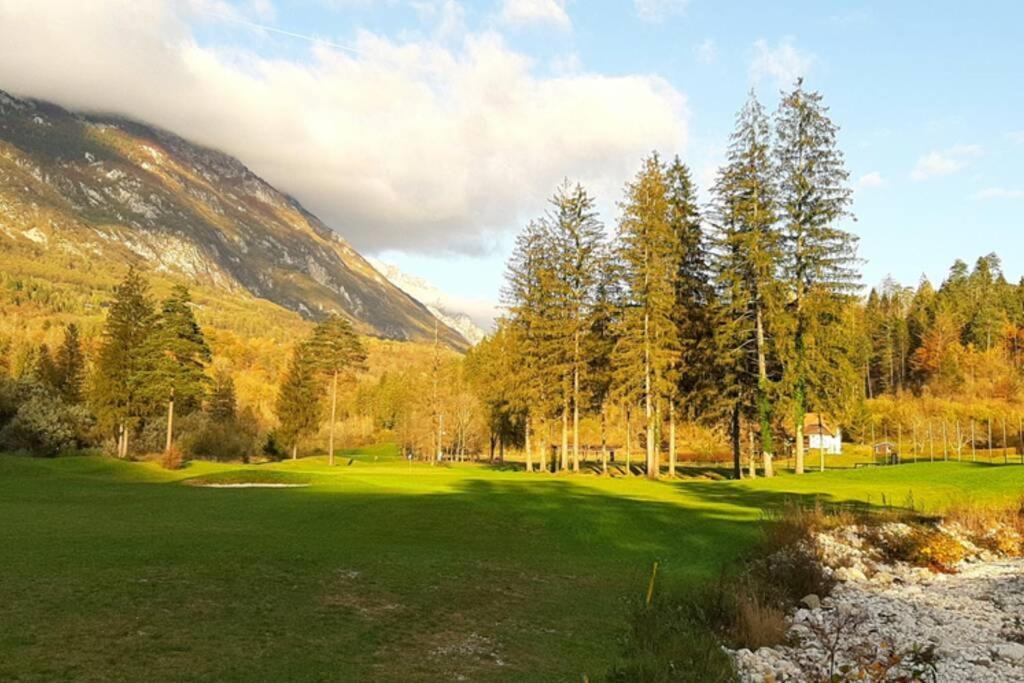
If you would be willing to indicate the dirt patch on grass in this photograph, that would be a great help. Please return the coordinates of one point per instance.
(347, 590)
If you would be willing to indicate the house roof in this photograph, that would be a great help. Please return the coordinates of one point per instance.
(816, 423)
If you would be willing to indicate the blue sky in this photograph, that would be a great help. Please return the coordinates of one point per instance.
(429, 131)
(904, 80)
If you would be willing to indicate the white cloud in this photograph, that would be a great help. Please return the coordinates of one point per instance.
(421, 146)
(998, 193)
(1016, 136)
(783, 63)
(944, 162)
(657, 10)
(706, 52)
(869, 180)
(524, 12)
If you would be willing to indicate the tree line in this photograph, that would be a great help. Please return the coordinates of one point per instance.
(736, 310)
(152, 387)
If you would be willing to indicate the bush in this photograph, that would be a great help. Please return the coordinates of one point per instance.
(45, 425)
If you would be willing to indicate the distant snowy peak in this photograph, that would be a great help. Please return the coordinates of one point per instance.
(448, 309)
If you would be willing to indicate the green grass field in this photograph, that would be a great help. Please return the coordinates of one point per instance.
(374, 570)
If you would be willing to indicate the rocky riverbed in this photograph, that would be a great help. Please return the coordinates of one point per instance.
(890, 621)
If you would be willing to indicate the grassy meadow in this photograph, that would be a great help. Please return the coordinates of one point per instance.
(376, 569)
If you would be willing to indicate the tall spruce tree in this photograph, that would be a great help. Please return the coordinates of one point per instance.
(576, 242)
(117, 385)
(176, 358)
(71, 366)
(820, 259)
(528, 301)
(693, 300)
(747, 257)
(648, 352)
(299, 400)
(336, 351)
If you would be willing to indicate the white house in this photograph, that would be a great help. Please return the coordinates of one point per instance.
(819, 434)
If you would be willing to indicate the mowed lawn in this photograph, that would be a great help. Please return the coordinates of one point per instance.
(378, 570)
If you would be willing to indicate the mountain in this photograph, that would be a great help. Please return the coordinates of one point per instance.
(104, 189)
(445, 307)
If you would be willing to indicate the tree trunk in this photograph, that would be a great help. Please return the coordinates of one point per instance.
(629, 443)
(170, 423)
(672, 439)
(604, 444)
(564, 464)
(295, 450)
(762, 398)
(529, 450)
(799, 445)
(652, 472)
(576, 405)
(734, 430)
(334, 409)
(753, 451)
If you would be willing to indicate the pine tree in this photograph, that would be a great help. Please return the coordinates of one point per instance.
(693, 301)
(299, 399)
(176, 360)
(577, 255)
(648, 353)
(71, 366)
(527, 298)
(223, 403)
(747, 256)
(335, 351)
(117, 385)
(819, 266)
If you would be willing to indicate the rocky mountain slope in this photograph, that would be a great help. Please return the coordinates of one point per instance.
(104, 189)
(444, 307)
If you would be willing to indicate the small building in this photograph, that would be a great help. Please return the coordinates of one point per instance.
(821, 434)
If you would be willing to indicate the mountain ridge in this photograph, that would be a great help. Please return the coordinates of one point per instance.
(95, 186)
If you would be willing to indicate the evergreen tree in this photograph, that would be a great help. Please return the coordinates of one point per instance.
(528, 301)
(44, 370)
(335, 351)
(819, 265)
(693, 301)
(747, 258)
(576, 242)
(298, 404)
(223, 404)
(71, 366)
(176, 359)
(117, 385)
(648, 353)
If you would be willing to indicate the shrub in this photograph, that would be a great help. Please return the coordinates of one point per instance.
(671, 640)
(44, 425)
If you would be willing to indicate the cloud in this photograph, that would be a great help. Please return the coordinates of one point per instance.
(706, 52)
(422, 146)
(526, 12)
(869, 180)
(783, 63)
(1016, 136)
(944, 162)
(998, 193)
(658, 10)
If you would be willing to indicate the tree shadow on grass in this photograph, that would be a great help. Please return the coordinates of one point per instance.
(487, 579)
